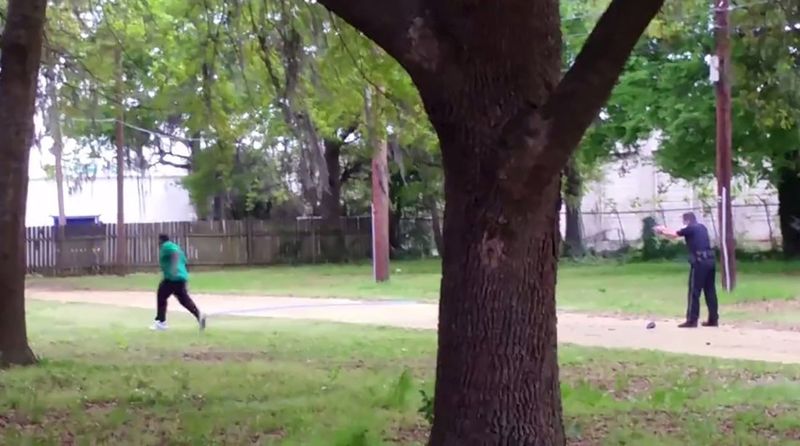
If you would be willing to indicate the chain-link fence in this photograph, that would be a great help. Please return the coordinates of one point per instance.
(756, 226)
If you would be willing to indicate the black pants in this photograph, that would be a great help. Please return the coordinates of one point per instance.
(169, 288)
(702, 280)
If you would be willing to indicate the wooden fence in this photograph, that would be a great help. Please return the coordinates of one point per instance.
(93, 249)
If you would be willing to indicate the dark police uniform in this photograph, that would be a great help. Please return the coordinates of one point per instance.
(702, 273)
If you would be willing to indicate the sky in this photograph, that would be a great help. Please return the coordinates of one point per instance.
(40, 156)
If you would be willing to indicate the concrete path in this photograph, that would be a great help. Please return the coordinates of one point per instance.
(573, 328)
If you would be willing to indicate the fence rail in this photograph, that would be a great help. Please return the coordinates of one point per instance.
(85, 250)
(93, 249)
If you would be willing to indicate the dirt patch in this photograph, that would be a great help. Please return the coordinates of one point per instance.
(596, 430)
(768, 306)
(224, 356)
(616, 381)
(409, 435)
(765, 430)
(99, 408)
(269, 437)
(59, 427)
(768, 314)
(13, 423)
(727, 342)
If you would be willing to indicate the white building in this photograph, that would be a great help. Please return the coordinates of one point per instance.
(613, 207)
(147, 200)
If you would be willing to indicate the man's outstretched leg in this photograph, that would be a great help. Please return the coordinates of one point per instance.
(183, 297)
(693, 300)
(710, 292)
(162, 295)
(172, 261)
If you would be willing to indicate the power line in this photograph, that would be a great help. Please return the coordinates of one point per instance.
(156, 133)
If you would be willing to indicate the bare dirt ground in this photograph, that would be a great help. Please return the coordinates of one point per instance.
(732, 342)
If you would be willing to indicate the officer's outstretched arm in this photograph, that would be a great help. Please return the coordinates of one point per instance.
(666, 232)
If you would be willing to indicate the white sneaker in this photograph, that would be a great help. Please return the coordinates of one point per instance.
(159, 326)
(202, 321)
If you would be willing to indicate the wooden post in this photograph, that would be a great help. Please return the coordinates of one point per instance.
(724, 166)
(380, 190)
(120, 141)
(54, 121)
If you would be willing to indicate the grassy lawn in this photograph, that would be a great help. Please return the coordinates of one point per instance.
(106, 380)
(638, 288)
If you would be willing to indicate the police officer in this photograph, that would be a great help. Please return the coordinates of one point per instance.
(702, 272)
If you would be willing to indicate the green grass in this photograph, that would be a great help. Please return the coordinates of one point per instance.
(105, 380)
(638, 288)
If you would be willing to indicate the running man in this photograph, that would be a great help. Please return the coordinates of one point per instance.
(702, 270)
(173, 266)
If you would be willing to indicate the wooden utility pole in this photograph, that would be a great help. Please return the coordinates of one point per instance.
(122, 240)
(724, 142)
(380, 189)
(54, 129)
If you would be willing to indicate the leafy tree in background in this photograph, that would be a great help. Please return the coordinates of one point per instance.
(250, 112)
(666, 89)
(614, 136)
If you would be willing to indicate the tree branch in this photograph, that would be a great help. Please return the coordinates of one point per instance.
(393, 24)
(588, 84)
(351, 170)
(164, 162)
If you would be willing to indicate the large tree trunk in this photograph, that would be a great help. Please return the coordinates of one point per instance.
(20, 53)
(507, 128)
(789, 208)
(497, 370)
(333, 242)
(573, 196)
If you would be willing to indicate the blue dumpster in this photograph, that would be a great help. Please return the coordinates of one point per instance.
(81, 220)
(82, 226)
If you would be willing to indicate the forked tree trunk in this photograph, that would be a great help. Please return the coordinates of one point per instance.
(789, 209)
(20, 53)
(488, 74)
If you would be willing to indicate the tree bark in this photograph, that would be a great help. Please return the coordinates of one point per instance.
(573, 194)
(507, 127)
(333, 242)
(20, 53)
(789, 208)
